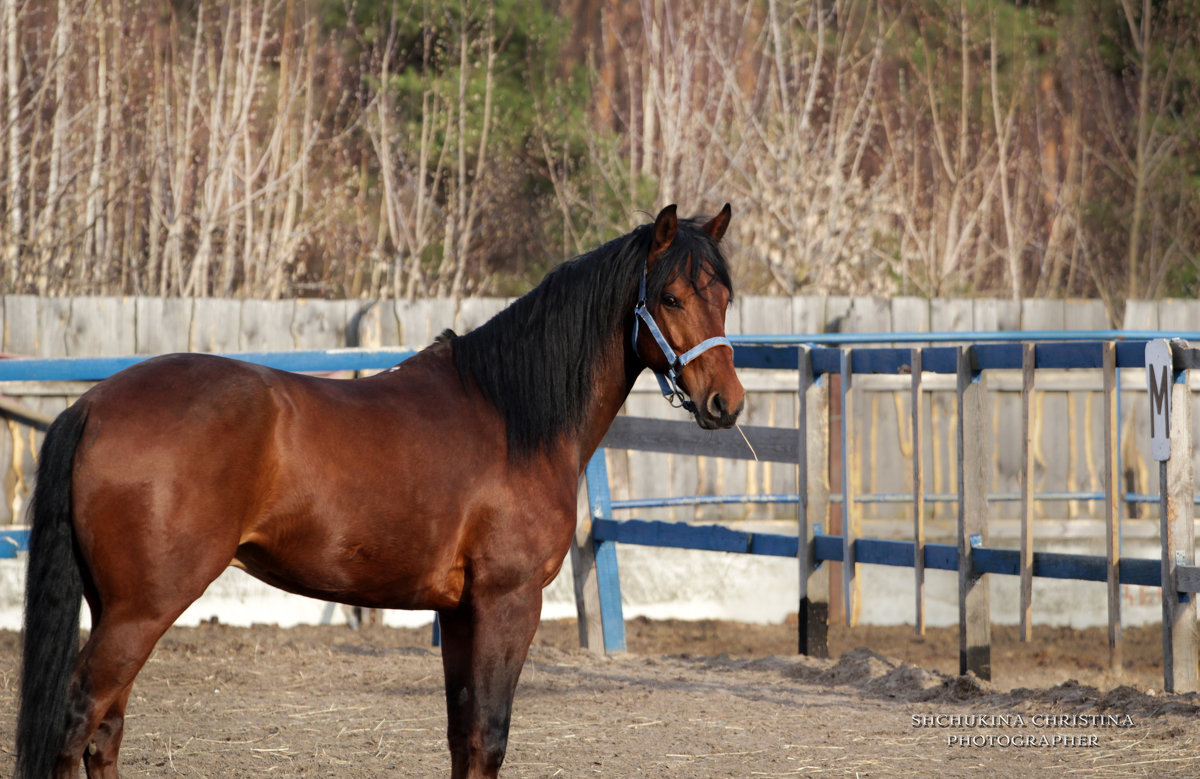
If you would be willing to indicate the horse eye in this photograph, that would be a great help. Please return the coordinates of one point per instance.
(671, 301)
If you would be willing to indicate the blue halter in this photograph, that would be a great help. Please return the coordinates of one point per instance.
(667, 381)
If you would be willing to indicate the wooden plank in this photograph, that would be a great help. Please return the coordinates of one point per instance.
(837, 309)
(1112, 504)
(868, 315)
(951, 315)
(1178, 314)
(1062, 565)
(216, 325)
(994, 314)
(890, 552)
(682, 535)
(375, 324)
(678, 436)
(608, 578)
(53, 322)
(19, 412)
(99, 326)
(812, 433)
(587, 587)
(851, 584)
(1187, 578)
(420, 321)
(21, 325)
(320, 324)
(1043, 314)
(162, 325)
(1028, 362)
(267, 326)
(917, 402)
(1180, 670)
(766, 314)
(1140, 315)
(910, 315)
(1085, 315)
(473, 312)
(974, 424)
(808, 315)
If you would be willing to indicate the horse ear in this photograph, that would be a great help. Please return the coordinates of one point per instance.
(715, 229)
(664, 230)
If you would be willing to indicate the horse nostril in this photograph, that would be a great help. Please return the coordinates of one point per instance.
(716, 406)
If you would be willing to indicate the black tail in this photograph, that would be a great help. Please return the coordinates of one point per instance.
(53, 591)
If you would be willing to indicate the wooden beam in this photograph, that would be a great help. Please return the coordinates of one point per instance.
(587, 588)
(1028, 363)
(851, 584)
(21, 413)
(1187, 578)
(918, 481)
(812, 480)
(974, 612)
(1112, 503)
(682, 436)
(1180, 672)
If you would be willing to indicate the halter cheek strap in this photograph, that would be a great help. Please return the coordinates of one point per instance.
(667, 382)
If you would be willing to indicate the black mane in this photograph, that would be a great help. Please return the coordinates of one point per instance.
(536, 359)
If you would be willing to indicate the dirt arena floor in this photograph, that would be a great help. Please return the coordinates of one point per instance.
(689, 699)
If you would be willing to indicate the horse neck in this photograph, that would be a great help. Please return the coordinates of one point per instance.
(616, 370)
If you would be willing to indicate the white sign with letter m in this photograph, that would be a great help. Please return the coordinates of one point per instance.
(1159, 377)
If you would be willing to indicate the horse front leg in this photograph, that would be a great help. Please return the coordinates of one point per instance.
(484, 645)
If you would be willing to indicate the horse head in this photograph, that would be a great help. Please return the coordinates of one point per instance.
(682, 307)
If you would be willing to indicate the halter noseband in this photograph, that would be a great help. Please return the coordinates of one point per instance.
(667, 381)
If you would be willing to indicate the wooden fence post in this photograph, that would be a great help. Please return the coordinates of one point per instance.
(812, 482)
(1176, 490)
(587, 588)
(974, 613)
(851, 585)
(1028, 370)
(918, 480)
(608, 579)
(1112, 502)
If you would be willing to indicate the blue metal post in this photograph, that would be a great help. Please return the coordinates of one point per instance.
(608, 578)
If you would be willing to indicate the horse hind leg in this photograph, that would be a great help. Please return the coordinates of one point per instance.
(103, 680)
(100, 754)
(128, 619)
(484, 645)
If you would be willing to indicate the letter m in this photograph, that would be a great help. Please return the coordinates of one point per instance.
(1160, 387)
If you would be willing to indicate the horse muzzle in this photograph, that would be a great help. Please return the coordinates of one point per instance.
(719, 411)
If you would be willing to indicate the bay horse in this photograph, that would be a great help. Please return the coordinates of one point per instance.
(448, 482)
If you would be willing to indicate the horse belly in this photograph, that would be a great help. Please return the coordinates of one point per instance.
(377, 565)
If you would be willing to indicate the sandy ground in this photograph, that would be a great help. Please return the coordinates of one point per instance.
(690, 699)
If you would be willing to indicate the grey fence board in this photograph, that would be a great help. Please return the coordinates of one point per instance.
(266, 326)
(162, 325)
(321, 324)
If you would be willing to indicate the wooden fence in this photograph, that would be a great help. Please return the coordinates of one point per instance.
(1066, 447)
(807, 446)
